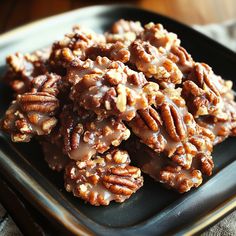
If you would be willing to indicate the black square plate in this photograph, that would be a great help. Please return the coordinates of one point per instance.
(153, 210)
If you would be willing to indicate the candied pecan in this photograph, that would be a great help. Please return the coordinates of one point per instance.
(73, 45)
(84, 137)
(103, 179)
(158, 36)
(114, 90)
(202, 91)
(173, 122)
(206, 163)
(153, 62)
(223, 124)
(171, 129)
(30, 114)
(23, 67)
(114, 51)
(146, 125)
(48, 83)
(182, 180)
(181, 58)
(124, 31)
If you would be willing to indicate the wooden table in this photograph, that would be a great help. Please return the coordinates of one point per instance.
(14, 13)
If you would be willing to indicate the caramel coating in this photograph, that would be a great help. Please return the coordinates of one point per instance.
(104, 178)
(52, 146)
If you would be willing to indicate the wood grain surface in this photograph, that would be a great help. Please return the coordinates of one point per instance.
(14, 13)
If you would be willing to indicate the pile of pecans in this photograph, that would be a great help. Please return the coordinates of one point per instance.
(91, 100)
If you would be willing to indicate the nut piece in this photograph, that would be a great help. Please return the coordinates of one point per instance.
(111, 88)
(23, 68)
(84, 137)
(124, 31)
(103, 179)
(30, 114)
(159, 37)
(122, 26)
(117, 51)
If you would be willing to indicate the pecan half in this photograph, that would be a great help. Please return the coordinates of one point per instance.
(147, 126)
(103, 179)
(173, 122)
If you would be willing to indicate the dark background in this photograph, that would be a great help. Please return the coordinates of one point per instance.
(14, 13)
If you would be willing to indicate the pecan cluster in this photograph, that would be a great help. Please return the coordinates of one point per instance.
(103, 178)
(170, 129)
(85, 136)
(153, 62)
(93, 98)
(109, 89)
(73, 45)
(30, 114)
(23, 68)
